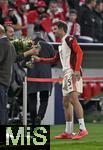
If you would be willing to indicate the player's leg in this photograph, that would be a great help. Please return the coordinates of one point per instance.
(68, 111)
(67, 134)
(77, 88)
(78, 109)
(79, 112)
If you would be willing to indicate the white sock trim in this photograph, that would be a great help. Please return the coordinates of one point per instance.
(69, 127)
(81, 124)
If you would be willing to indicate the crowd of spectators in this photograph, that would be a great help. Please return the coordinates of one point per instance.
(84, 17)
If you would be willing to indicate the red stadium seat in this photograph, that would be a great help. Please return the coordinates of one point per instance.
(101, 86)
(95, 89)
(87, 93)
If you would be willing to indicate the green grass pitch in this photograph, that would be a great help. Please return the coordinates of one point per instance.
(94, 141)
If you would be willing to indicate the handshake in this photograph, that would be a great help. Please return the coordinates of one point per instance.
(34, 51)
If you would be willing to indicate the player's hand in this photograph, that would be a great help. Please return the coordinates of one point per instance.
(77, 75)
(35, 58)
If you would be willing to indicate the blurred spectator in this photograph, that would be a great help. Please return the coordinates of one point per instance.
(43, 22)
(55, 12)
(32, 15)
(4, 5)
(21, 26)
(40, 70)
(86, 18)
(64, 5)
(98, 21)
(73, 26)
(11, 18)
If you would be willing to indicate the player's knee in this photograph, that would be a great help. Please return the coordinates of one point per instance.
(65, 104)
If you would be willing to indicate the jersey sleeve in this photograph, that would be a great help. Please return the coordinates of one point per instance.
(73, 44)
(50, 60)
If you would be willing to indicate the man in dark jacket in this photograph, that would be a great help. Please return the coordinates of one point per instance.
(98, 21)
(40, 70)
(7, 58)
(86, 18)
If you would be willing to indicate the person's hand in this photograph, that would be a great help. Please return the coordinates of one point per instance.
(35, 51)
(31, 52)
(35, 58)
(77, 75)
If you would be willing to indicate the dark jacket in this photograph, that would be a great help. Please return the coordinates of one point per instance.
(41, 70)
(7, 58)
(98, 26)
(87, 21)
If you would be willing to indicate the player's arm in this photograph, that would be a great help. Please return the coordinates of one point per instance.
(47, 60)
(79, 54)
(28, 53)
(79, 57)
(72, 42)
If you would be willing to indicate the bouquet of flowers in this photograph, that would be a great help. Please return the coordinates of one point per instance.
(22, 44)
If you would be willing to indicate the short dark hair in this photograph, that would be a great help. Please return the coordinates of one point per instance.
(62, 24)
(74, 11)
(6, 27)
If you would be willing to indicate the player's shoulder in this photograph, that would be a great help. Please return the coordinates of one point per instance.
(69, 38)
